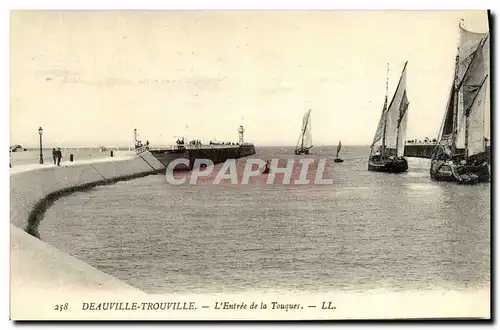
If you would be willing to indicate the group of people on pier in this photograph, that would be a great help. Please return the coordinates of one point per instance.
(138, 144)
(180, 142)
(57, 156)
(224, 143)
(199, 143)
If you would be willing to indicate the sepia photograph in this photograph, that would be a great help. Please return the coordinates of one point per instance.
(238, 165)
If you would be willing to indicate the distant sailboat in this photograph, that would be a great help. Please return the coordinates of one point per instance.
(266, 169)
(387, 149)
(460, 155)
(337, 159)
(305, 138)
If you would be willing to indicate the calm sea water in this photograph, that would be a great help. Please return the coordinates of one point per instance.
(366, 231)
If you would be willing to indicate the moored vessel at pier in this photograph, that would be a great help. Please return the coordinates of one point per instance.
(461, 153)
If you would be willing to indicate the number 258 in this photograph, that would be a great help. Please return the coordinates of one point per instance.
(61, 307)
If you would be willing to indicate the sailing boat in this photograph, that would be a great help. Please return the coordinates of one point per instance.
(266, 169)
(460, 155)
(337, 159)
(305, 138)
(387, 149)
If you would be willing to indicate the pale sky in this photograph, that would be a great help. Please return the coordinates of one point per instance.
(90, 77)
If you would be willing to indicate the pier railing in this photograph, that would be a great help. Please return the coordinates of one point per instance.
(190, 147)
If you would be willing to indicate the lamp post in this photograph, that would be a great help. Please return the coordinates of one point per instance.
(40, 131)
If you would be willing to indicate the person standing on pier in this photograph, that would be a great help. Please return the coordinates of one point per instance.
(59, 156)
(54, 155)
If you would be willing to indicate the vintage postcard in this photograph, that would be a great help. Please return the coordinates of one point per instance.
(250, 165)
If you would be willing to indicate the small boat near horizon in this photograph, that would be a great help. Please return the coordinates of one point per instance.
(337, 159)
(305, 139)
(387, 148)
(266, 168)
(460, 154)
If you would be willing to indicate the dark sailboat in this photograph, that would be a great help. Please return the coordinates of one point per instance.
(266, 169)
(460, 155)
(337, 159)
(387, 149)
(305, 138)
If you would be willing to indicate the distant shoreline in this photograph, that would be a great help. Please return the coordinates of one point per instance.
(84, 148)
(128, 148)
(153, 146)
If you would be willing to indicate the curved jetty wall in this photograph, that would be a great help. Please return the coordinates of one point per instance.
(35, 264)
(42, 277)
(38, 269)
(247, 150)
(219, 155)
(32, 192)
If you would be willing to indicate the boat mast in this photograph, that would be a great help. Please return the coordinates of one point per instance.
(302, 137)
(400, 117)
(455, 104)
(397, 131)
(302, 141)
(385, 110)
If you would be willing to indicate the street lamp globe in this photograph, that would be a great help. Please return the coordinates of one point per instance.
(40, 131)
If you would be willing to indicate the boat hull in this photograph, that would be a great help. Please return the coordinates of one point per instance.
(465, 174)
(302, 151)
(397, 165)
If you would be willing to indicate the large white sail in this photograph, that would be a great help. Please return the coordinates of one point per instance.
(487, 91)
(396, 109)
(339, 147)
(469, 42)
(377, 139)
(305, 139)
(471, 70)
(470, 91)
(394, 121)
(445, 136)
(475, 142)
(401, 133)
(391, 128)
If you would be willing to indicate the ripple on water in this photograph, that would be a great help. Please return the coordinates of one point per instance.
(366, 231)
